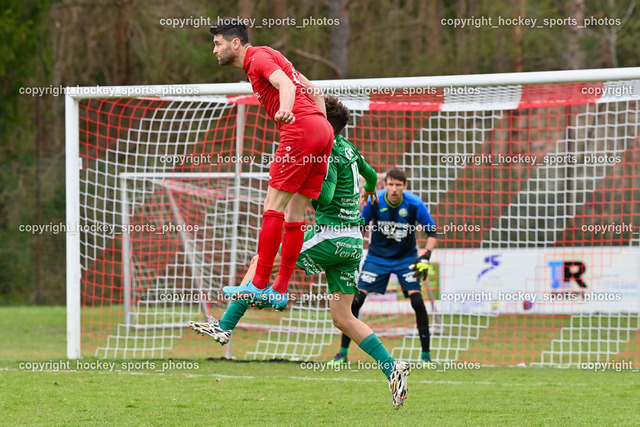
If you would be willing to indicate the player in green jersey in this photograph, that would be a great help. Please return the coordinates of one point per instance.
(334, 246)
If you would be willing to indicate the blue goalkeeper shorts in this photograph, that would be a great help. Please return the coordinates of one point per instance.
(375, 273)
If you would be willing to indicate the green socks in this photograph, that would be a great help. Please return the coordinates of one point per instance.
(232, 316)
(374, 348)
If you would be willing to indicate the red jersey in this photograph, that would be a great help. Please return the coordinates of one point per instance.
(259, 63)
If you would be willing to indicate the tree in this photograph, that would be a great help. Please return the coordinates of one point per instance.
(575, 56)
(339, 50)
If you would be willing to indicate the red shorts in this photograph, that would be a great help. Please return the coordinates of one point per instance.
(300, 162)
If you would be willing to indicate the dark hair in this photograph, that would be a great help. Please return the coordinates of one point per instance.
(337, 114)
(231, 28)
(397, 174)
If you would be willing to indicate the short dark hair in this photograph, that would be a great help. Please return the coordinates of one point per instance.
(397, 174)
(231, 28)
(337, 114)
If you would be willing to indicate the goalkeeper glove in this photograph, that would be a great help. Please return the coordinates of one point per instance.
(420, 266)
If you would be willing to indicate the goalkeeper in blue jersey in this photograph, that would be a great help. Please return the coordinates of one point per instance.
(334, 246)
(393, 223)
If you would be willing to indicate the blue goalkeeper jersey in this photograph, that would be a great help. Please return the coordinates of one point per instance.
(393, 231)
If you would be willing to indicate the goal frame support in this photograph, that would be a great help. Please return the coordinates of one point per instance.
(127, 274)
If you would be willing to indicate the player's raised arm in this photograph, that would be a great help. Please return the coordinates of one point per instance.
(287, 90)
(329, 185)
(371, 180)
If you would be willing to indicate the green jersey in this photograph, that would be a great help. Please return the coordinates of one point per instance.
(338, 203)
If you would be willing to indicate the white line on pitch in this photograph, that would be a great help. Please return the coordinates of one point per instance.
(248, 377)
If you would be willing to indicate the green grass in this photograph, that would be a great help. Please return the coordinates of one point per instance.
(33, 333)
(208, 392)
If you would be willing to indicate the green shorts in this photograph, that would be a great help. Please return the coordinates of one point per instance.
(337, 252)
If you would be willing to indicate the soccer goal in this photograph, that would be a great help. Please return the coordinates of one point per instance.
(533, 180)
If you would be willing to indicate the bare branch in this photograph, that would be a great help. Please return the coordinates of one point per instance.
(320, 59)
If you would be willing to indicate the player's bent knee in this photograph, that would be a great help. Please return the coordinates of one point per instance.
(342, 322)
(359, 298)
(296, 208)
(339, 323)
(341, 317)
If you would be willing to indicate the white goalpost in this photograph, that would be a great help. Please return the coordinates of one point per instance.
(533, 180)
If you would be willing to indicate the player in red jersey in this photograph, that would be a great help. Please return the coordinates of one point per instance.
(300, 162)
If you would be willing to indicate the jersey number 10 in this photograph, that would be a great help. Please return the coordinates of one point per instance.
(356, 177)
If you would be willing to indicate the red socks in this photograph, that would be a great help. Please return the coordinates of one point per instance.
(268, 245)
(291, 245)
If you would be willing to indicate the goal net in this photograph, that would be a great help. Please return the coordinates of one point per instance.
(533, 180)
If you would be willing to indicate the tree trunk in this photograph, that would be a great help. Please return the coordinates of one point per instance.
(432, 11)
(339, 49)
(417, 39)
(246, 11)
(518, 36)
(121, 72)
(462, 55)
(611, 33)
(575, 59)
(38, 202)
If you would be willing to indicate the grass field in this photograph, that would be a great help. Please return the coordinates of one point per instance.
(39, 386)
